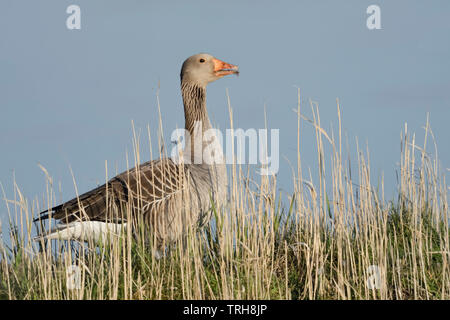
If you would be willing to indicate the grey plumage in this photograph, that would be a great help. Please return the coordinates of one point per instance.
(171, 196)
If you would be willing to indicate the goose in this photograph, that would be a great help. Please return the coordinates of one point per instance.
(169, 196)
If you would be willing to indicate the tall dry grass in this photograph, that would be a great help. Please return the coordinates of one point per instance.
(335, 238)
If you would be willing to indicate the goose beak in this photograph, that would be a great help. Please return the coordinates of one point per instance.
(222, 68)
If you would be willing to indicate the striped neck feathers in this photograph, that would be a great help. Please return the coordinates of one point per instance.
(194, 99)
(199, 138)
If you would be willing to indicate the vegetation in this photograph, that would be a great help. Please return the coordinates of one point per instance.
(336, 238)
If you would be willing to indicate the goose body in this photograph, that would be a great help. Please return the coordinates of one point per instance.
(167, 195)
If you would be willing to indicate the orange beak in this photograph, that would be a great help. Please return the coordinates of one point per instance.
(222, 68)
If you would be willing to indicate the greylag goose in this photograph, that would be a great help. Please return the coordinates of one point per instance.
(167, 195)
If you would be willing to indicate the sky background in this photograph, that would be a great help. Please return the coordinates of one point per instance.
(67, 97)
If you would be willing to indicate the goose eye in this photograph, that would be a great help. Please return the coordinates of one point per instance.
(202, 60)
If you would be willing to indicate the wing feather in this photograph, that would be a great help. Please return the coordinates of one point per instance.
(148, 186)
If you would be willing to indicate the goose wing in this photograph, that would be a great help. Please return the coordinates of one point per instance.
(148, 186)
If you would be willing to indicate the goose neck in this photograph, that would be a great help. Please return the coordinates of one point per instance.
(195, 113)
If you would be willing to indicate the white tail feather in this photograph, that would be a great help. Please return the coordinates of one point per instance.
(84, 231)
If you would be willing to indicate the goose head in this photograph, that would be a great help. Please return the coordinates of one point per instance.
(203, 68)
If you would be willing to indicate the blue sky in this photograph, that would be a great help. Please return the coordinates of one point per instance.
(67, 97)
